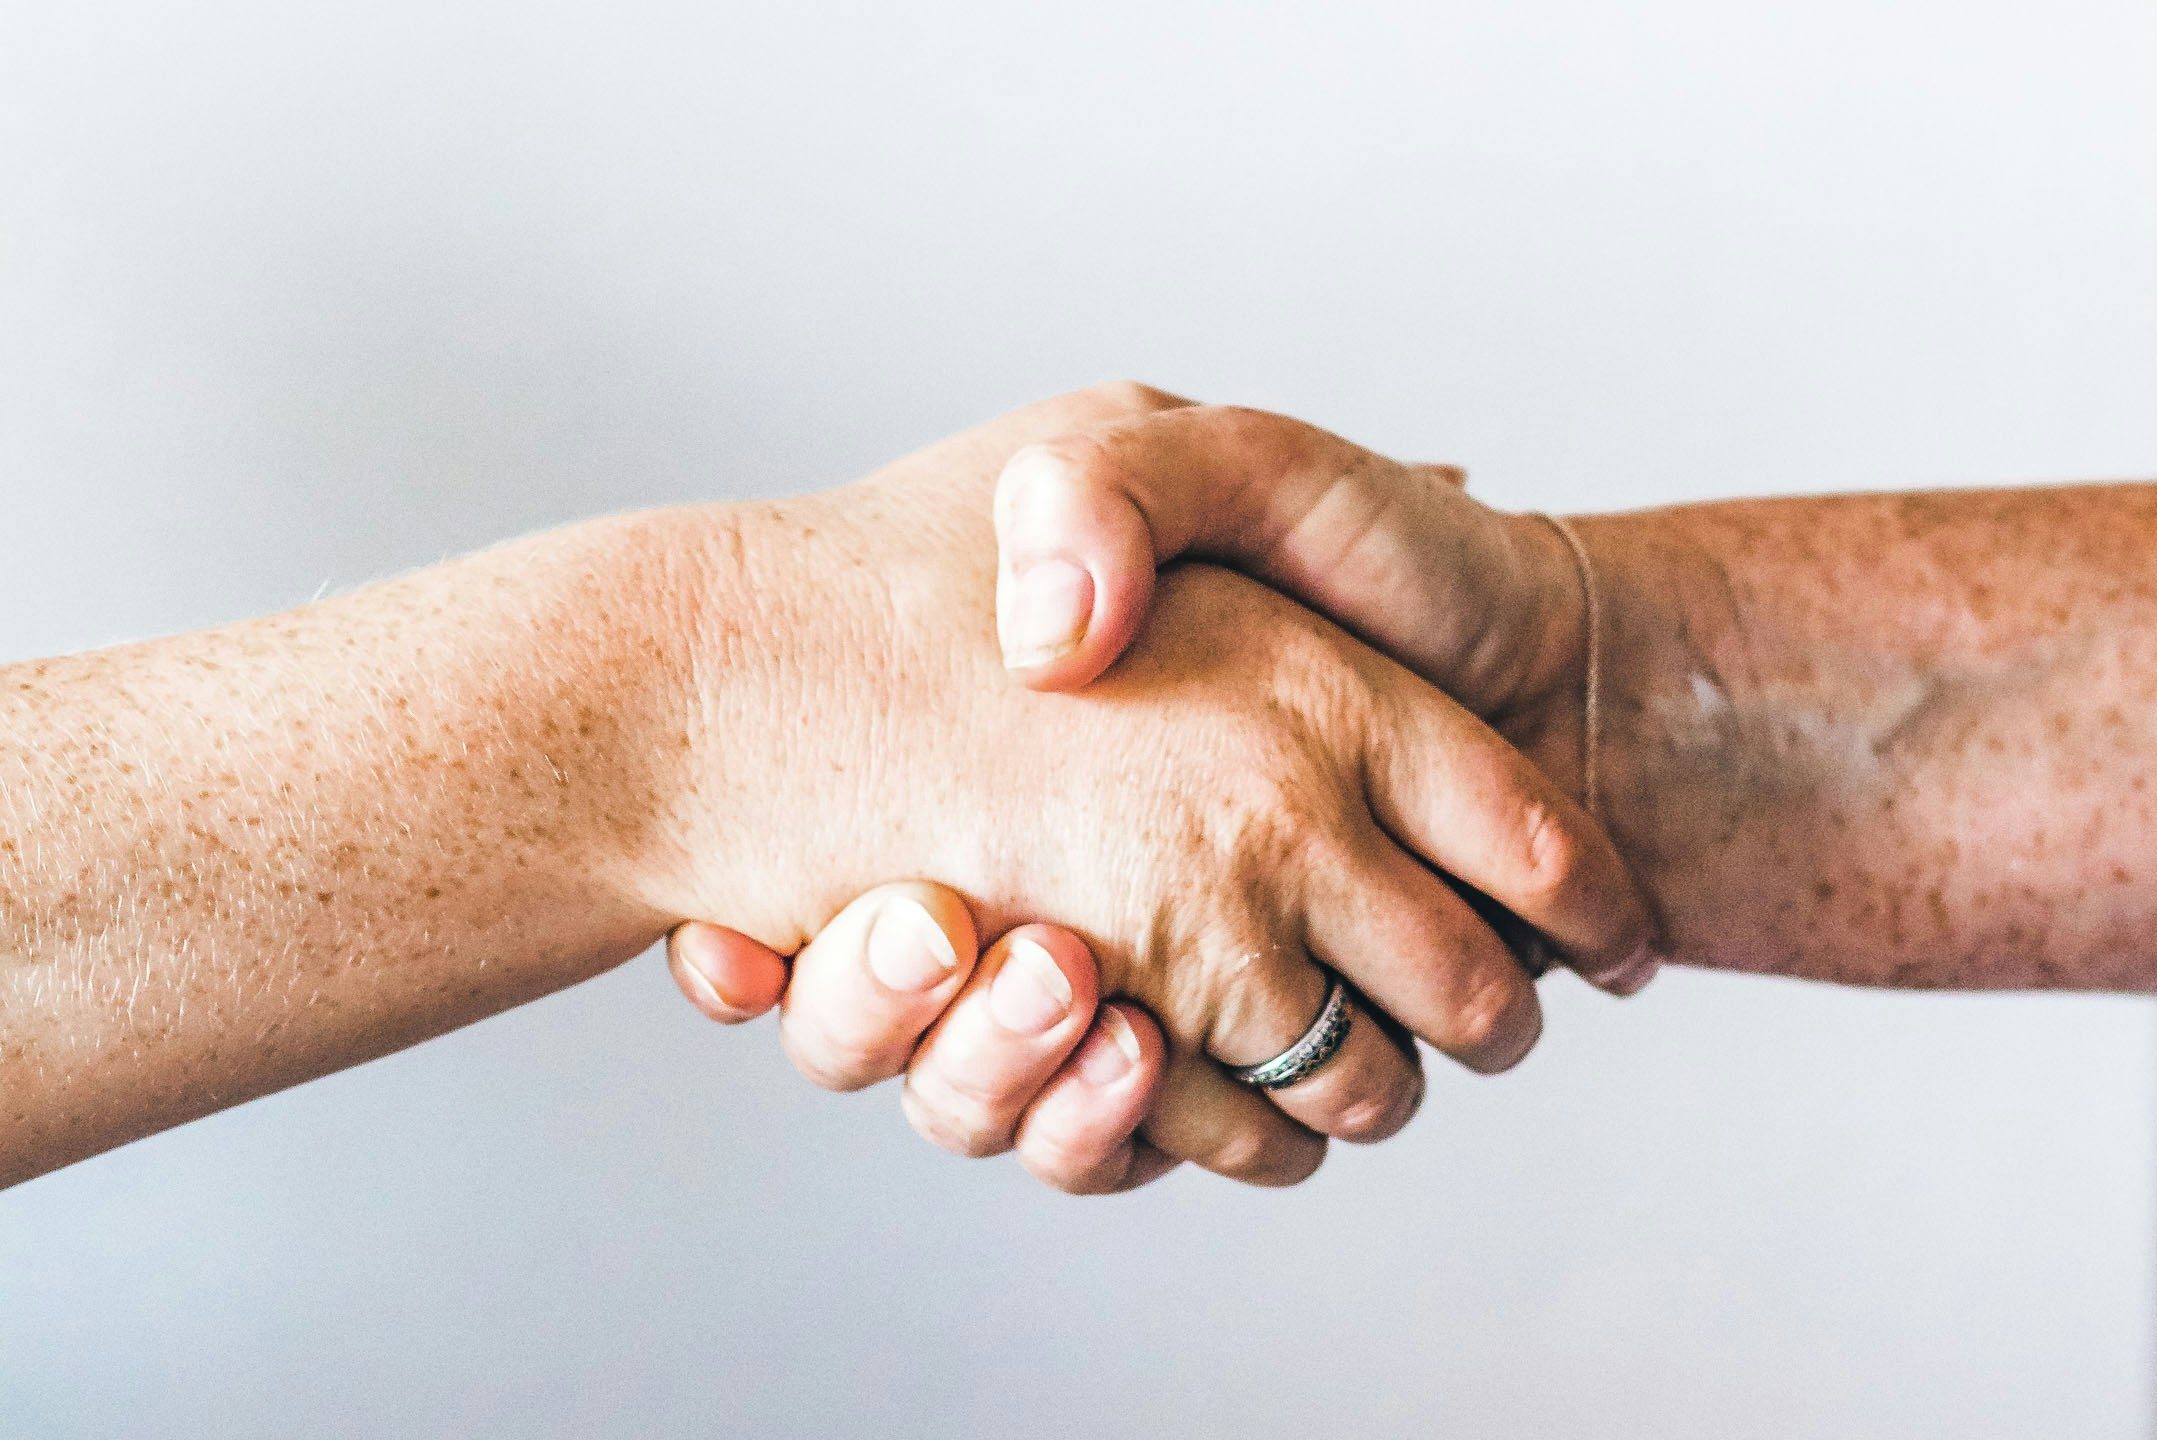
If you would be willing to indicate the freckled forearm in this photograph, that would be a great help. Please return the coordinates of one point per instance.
(235, 860)
(1906, 740)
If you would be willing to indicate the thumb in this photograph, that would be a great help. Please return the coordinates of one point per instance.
(1398, 554)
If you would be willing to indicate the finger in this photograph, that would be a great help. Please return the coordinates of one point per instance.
(1081, 1133)
(1083, 521)
(1452, 791)
(873, 981)
(1208, 1119)
(1021, 1016)
(1366, 1091)
(724, 973)
(1424, 957)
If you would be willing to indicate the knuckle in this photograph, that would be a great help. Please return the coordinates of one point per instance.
(974, 1144)
(1294, 1164)
(1374, 1117)
(827, 1072)
(1238, 979)
(1060, 1166)
(1240, 1154)
(1550, 854)
(828, 1064)
(1480, 1018)
(1127, 397)
(927, 1122)
(1039, 481)
(1079, 458)
(1269, 793)
(962, 1123)
(1249, 423)
(1495, 1027)
(1272, 1159)
(1041, 461)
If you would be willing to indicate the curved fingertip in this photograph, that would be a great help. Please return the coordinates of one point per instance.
(1146, 1166)
(1136, 1029)
(1075, 565)
(1499, 1027)
(1080, 1133)
(1629, 952)
(724, 973)
(920, 934)
(1123, 1050)
(1628, 977)
(1049, 962)
(873, 981)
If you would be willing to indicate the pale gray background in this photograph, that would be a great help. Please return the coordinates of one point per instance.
(297, 294)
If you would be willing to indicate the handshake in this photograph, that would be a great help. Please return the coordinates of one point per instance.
(1291, 819)
(1240, 831)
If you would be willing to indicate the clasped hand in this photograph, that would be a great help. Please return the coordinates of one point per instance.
(1192, 793)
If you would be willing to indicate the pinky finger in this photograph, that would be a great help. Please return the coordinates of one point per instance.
(724, 973)
(1081, 1133)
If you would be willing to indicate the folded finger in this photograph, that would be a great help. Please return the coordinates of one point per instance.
(1366, 1089)
(1451, 790)
(1020, 1017)
(724, 973)
(873, 981)
(1417, 950)
(1208, 1119)
(1081, 1132)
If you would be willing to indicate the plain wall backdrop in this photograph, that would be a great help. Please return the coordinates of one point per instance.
(297, 295)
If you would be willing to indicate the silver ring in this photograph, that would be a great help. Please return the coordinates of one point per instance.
(1319, 1044)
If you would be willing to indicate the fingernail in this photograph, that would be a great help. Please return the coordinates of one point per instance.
(1043, 612)
(1030, 993)
(1111, 1049)
(704, 975)
(705, 988)
(908, 950)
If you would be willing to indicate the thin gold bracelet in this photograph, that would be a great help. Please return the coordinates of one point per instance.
(1592, 698)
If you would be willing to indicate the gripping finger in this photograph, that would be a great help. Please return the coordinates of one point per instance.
(1366, 1090)
(1081, 1133)
(1026, 1009)
(724, 973)
(1450, 789)
(1423, 956)
(872, 982)
(1083, 520)
(1216, 1124)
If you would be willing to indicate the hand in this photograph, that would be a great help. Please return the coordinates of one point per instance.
(1485, 605)
(1017, 1054)
(1213, 817)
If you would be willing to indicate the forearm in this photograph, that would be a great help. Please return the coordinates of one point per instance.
(235, 860)
(1899, 740)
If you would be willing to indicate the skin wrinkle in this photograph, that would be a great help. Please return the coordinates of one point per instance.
(347, 829)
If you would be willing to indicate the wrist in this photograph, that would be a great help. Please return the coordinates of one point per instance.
(595, 666)
(1542, 711)
(1668, 641)
(781, 679)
